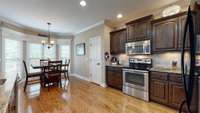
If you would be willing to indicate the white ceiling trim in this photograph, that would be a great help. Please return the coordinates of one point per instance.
(90, 27)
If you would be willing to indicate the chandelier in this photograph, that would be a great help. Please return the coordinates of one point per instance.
(49, 42)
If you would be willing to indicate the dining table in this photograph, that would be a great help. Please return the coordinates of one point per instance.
(43, 67)
(46, 66)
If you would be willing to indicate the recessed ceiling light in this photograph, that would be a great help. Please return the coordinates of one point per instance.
(119, 16)
(83, 3)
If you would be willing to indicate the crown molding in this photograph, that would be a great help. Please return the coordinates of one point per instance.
(90, 27)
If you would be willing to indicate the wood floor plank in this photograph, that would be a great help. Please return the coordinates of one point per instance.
(83, 97)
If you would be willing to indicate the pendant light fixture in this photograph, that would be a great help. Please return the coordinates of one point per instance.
(50, 42)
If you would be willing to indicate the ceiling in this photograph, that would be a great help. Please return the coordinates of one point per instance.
(67, 16)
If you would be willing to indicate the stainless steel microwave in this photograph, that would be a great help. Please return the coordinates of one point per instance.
(140, 47)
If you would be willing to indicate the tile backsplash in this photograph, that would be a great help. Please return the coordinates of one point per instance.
(166, 59)
(159, 60)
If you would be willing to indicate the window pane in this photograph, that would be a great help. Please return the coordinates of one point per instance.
(11, 49)
(50, 53)
(35, 54)
(64, 52)
(35, 51)
(13, 56)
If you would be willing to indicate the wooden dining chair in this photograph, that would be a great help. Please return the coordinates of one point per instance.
(44, 62)
(65, 69)
(31, 75)
(53, 74)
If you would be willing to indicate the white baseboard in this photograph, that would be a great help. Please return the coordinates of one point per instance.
(79, 76)
(86, 79)
(103, 85)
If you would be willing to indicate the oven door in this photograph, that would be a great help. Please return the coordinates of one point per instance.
(137, 79)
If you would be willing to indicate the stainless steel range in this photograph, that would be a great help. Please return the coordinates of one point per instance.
(136, 78)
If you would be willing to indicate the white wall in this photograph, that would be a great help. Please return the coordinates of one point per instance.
(81, 63)
(0, 50)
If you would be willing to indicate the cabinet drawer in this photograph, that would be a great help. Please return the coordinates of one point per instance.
(116, 69)
(158, 75)
(175, 78)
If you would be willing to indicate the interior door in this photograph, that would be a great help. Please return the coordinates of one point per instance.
(95, 59)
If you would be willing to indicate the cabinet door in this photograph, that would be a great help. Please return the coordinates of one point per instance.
(198, 45)
(182, 21)
(141, 31)
(114, 79)
(176, 94)
(117, 41)
(122, 41)
(165, 35)
(114, 43)
(130, 33)
(159, 91)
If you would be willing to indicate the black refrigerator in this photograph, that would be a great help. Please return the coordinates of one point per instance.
(190, 71)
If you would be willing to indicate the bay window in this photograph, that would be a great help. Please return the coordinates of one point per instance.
(50, 53)
(34, 54)
(12, 56)
(64, 51)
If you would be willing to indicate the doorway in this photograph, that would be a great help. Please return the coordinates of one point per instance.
(95, 60)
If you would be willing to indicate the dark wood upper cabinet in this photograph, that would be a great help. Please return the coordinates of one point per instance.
(182, 21)
(139, 29)
(117, 41)
(165, 34)
(168, 32)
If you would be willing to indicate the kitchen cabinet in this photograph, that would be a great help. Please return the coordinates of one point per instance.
(159, 91)
(114, 77)
(182, 21)
(168, 32)
(176, 94)
(159, 87)
(166, 88)
(117, 41)
(165, 34)
(140, 29)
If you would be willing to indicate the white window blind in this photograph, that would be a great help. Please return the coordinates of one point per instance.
(50, 53)
(64, 52)
(34, 55)
(13, 56)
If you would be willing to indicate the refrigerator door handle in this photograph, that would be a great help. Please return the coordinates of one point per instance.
(188, 86)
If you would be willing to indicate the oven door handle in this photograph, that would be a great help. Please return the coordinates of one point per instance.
(135, 71)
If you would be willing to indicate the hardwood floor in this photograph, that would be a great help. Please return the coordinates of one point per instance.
(83, 97)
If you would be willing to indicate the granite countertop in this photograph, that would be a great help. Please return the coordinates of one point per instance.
(6, 91)
(170, 70)
(120, 65)
(166, 70)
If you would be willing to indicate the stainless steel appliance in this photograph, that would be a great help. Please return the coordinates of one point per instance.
(189, 77)
(136, 78)
(140, 47)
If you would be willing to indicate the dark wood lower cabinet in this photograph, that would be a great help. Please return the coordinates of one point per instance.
(176, 94)
(167, 89)
(159, 91)
(114, 77)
